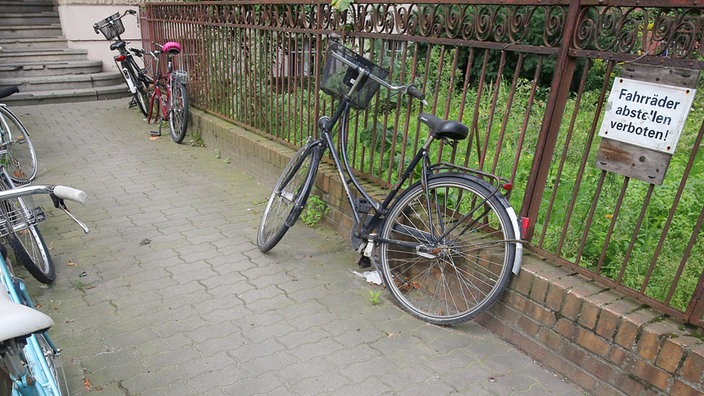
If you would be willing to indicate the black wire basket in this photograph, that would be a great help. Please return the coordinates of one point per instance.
(338, 76)
(111, 26)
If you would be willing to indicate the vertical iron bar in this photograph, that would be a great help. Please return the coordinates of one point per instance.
(559, 91)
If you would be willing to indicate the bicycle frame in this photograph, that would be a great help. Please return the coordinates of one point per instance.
(364, 232)
(125, 63)
(161, 81)
(366, 229)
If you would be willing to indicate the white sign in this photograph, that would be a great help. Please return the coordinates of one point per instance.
(646, 114)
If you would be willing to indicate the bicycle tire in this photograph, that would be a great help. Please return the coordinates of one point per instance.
(289, 196)
(31, 251)
(140, 96)
(27, 243)
(461, 273)
(178, 115)
(19, 158)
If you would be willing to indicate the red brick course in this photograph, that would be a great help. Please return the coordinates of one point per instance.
(619, 346)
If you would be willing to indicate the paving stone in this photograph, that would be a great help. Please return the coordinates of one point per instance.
(198, 310)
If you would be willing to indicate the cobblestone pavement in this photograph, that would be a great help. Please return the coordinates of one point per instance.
(168, 294)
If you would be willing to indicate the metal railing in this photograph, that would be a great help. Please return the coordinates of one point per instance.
(530, 78)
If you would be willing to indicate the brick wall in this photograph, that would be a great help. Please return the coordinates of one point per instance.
(601, 340)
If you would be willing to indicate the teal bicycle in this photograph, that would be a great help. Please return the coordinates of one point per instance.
(29, 363)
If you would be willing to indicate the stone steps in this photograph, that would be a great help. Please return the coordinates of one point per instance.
(27, 43)
(34, 55)
(67, 95)
(59, 82)
(55, 68)
(36, 31)
(13, 56)
(29, 19)
(26, 6)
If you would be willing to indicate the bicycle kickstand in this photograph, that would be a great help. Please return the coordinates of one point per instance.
(157, 133)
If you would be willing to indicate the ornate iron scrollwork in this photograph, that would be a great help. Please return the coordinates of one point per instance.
(671, 32)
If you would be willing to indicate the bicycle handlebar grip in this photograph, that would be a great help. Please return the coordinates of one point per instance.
(70, 193)
(133, 12)
(415, 92)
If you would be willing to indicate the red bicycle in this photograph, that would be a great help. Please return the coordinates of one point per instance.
(170, 94)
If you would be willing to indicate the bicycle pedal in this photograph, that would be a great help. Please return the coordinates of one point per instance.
(155, 133)
(364, 262)
(362, 205)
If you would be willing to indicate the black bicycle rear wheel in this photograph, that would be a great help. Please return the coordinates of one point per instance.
(178, 116)
(455, 251)
(289, 196)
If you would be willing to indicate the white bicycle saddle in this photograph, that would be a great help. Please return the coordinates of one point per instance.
(17, 320)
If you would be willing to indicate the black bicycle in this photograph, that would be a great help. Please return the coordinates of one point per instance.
(135, 76)
(446, 245)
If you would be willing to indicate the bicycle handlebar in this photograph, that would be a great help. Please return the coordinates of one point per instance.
(410, 90)
(62, 192)
(131, 12)
(158, 51)
(97, 26)
(70, 193)
(58, 195)
(416, 93)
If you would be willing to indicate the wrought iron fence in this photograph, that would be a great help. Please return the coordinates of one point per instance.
(530, 78)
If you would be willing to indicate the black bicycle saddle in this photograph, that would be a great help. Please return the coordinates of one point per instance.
(7, 91)
(444, 129)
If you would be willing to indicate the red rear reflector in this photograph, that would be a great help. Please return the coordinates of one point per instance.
(507, 186)
(120, 58)
(525, 223)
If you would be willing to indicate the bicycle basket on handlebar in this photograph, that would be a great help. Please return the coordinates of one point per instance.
(19, 215)
(338, 76)
(111, 26)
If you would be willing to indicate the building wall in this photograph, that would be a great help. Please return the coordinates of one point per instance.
(78, 17)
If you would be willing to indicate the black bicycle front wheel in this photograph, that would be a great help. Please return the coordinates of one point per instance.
(141, 94)
(18, 157)
(178, 116)
(142, 98)
(454, 251)
(289, 196)
(145, 86)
